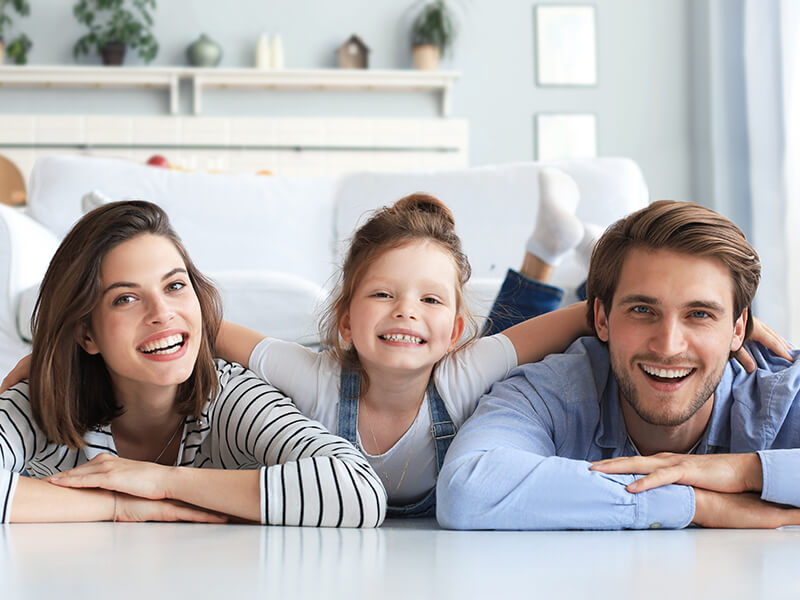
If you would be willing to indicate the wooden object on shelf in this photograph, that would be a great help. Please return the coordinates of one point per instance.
(12, 184)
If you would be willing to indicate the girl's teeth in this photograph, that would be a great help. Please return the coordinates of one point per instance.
(408, 339)
(166, 345)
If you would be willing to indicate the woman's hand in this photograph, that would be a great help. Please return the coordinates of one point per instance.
(21, 370)
(767, 337)
(131, 477)
(133, 509)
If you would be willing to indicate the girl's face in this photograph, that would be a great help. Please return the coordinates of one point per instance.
(147, 325)
(404, 315)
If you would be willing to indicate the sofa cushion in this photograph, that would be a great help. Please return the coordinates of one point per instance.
(247, 222)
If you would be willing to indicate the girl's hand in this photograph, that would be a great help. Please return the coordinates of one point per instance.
(134, 509)
(131, 477)
(21, 370)
(767, 337)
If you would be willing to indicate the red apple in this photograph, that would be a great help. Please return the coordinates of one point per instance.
(158, 161)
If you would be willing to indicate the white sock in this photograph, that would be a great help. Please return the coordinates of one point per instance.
(583, 251)
(93, 200)
(557, 229)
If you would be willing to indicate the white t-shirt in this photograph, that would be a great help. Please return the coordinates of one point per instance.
(312, 380)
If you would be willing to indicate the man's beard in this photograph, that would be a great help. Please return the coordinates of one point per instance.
(652, 415)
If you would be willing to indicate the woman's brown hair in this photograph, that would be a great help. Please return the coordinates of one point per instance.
(417, 217)
(71, 390)
(681, 227)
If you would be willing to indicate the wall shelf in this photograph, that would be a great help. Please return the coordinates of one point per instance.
(169, 78)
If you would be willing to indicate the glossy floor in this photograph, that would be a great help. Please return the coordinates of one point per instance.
(402, 559)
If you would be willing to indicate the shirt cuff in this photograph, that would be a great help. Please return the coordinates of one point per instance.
(779, 471)
(8, 482)
(665, 507)
(262, 482)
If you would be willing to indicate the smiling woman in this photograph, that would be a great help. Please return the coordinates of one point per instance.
(122, 363)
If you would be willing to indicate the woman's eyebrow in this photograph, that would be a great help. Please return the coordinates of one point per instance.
(129, 284)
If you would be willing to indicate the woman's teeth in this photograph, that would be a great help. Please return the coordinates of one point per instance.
(166, 345)
(666, 373)
(397, 337)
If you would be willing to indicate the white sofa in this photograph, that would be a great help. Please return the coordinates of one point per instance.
(271, 243)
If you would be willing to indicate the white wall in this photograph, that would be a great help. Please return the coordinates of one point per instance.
(642, 99)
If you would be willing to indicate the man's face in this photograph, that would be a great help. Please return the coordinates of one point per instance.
(670, 331)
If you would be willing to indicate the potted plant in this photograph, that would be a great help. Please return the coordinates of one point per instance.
(432, 34)
(115, 25)
(18, 48)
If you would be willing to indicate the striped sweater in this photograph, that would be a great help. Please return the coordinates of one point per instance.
(308, 475)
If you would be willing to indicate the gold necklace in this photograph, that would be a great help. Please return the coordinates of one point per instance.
(169, 441)
(389, 487)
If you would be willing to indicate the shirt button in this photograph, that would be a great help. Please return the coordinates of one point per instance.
(655, 525)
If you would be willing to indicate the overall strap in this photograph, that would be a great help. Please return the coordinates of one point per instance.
(349, 389)
(442, 427)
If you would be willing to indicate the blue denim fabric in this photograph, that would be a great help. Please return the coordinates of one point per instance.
(519, 299)
(442, 428)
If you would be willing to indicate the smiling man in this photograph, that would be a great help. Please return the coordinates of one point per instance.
(650, 424)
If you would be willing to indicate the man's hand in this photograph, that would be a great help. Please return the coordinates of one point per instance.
(730, 473)
(740, 511)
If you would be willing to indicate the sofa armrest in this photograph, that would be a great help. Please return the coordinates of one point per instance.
(26, 248)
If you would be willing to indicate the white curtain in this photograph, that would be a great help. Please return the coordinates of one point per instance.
(747, 137)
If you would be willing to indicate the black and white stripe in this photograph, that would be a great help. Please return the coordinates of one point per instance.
(309, 476)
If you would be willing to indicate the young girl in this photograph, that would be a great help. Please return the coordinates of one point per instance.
(125, 399)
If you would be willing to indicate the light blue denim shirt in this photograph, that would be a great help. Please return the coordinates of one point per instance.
(522, 460)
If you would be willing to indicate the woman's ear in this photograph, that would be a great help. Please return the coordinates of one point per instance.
(85, 340)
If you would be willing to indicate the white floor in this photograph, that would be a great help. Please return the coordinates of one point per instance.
(403, 559)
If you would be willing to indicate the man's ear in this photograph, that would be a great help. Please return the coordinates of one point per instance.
(85, 340)
(458, 330)
(739, 328)
(600, 320)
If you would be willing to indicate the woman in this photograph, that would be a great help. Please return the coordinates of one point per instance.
(124, 397)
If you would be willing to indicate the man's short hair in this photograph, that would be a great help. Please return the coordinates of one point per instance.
(682, 227)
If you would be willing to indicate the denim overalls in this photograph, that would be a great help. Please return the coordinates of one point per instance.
(442, 429)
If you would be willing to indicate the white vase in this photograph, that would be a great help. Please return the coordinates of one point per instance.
(263, 60)
(276, 52)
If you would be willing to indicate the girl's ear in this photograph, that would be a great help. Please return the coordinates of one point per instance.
(344, 328)
(458, 330)
(85, 340)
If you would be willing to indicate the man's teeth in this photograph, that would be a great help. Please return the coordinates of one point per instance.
(666, 373)
(166, 345)
(397, 337)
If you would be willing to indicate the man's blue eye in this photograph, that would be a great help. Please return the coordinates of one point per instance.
(700, 314)
(640, 309)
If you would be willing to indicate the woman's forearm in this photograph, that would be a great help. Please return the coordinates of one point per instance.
(231, 492)
(37, 501)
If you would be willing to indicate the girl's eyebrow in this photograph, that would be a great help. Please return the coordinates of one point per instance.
(129, 284)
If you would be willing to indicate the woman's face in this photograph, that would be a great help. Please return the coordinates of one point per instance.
(147, 325)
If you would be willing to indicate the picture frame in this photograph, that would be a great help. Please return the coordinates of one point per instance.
(565, 44)
(565, 135)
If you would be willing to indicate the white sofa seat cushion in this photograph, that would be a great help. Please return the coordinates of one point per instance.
(276, 304)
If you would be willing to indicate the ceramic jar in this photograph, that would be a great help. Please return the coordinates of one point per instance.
(204, 52)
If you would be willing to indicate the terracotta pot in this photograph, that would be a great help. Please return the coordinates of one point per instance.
(113, 53)
(426, 57)
(2, 51)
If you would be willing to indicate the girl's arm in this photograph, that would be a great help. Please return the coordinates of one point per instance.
(235, 343)
(548, 333)
(310, 476)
